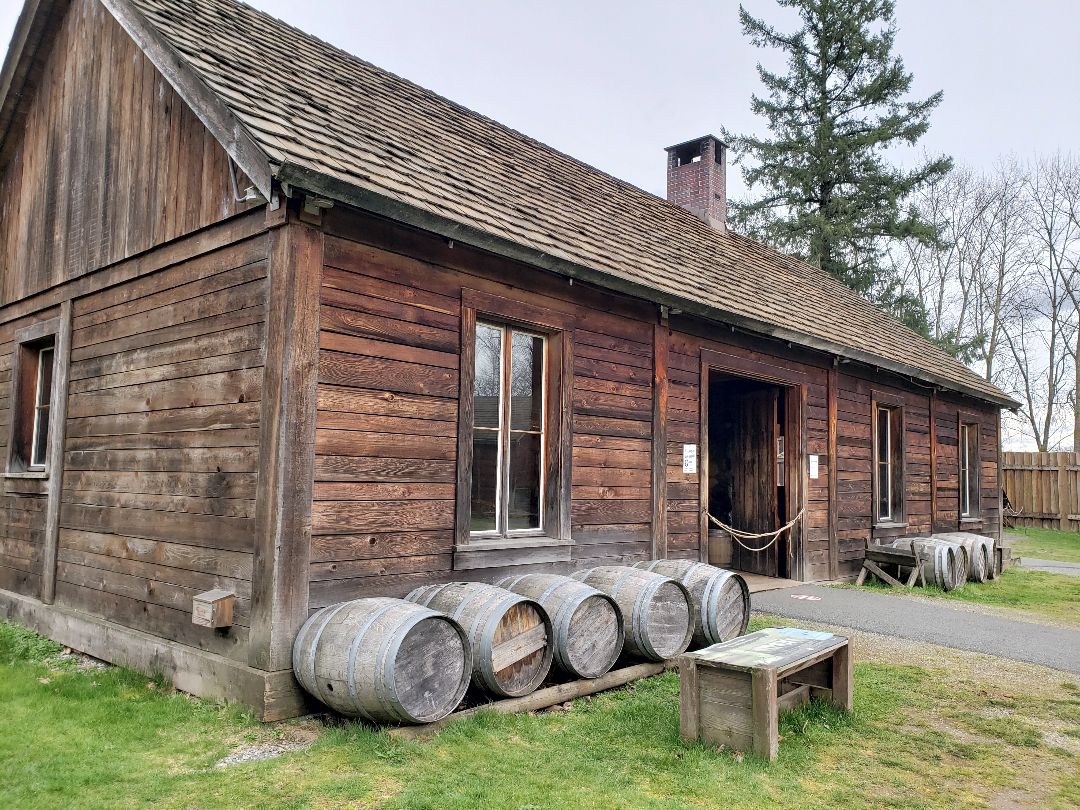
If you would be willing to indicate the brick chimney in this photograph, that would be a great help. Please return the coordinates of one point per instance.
(697, 178)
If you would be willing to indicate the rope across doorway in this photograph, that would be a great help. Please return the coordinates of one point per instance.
(740, 536)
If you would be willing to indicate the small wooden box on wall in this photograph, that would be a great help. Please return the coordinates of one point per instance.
(213, 608)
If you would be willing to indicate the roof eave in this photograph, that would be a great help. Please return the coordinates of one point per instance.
(311, 180)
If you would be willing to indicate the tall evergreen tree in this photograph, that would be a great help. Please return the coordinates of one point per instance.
(824, 188)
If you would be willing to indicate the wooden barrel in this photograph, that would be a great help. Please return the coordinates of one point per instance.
(657, 610)
(945, 564)
(588, 625)
(980, 552)
(386, 660)
(721, 598)
(510, 635)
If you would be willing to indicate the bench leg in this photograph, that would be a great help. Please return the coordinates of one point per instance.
(763, 692)
(843, 680)
(876, 570)
(862, 575)
(912, 576)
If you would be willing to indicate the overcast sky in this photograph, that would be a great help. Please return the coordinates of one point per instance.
(612, 83)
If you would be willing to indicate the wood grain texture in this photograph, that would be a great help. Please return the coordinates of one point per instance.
(339, 661)
(57, 429)
(286, 445)
(659, 441)
(99, 109)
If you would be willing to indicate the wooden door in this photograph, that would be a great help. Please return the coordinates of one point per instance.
(754, 467)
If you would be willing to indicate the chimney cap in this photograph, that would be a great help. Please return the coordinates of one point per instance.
(695, 141)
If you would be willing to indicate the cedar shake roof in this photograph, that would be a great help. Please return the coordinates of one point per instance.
(333, 124)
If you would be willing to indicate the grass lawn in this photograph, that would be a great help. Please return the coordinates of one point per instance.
(1054, 596)
(1047, 544)
(918, 738)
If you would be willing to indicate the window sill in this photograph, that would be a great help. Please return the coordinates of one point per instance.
(499, 551)
(890, 525)
(971, 521)
(37, 475)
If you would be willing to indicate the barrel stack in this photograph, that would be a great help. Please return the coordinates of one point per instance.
(980, 550)
(946, 563)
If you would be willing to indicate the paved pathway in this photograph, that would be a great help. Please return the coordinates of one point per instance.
(1069, 569)
(925, 621)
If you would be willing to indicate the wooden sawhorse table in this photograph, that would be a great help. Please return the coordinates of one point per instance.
(731, 693)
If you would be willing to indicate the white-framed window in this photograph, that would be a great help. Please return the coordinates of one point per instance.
(968, 448)
(33, 370)
(39, 439)
(888, 484)
(509, 433)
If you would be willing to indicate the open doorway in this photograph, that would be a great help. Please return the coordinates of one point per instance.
(751, 471)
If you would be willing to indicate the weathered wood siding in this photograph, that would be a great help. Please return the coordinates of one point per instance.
(753, 357)
(106, 162)
(855, 509)
(683, 503)
(161, 456)
(385, 465)
(949, 412)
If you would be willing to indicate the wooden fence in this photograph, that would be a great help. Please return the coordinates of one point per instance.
(1044, 488)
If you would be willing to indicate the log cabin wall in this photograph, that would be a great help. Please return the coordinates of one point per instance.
(117, 212)
(950, 412)
(161, 457)
(386, 447)
(106, 162)
(856, 395)
(385, 464)
(753, 356)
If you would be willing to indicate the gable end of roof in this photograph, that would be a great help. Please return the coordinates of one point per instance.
(215, 115)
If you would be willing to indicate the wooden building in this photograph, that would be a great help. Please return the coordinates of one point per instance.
(279, 324)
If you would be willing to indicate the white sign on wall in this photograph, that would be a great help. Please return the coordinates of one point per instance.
(813, 466)
(689, 458)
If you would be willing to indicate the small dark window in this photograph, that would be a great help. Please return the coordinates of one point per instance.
(888, 464)
(508, 431)
(33, 406)
(969, 469)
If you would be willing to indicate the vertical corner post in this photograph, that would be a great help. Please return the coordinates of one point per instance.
(286, 444)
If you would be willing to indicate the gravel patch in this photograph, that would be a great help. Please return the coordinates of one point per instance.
(82, 661)
(288, 737)
(260, 751)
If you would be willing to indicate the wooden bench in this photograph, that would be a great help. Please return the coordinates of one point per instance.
(731, 693)
(877, 556)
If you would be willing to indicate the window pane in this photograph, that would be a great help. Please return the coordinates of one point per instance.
(524, 507)
(883, 491)
(972, 459)
(527, 382)
(485, 480)
(488, 381)
(44, 392)
(896, 463)
(883, 435)
(41, 437)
